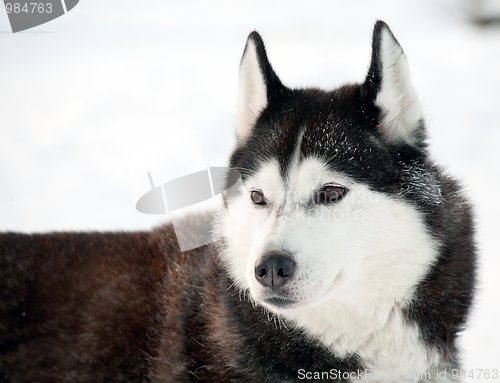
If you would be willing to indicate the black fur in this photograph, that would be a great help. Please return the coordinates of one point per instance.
(130, 307)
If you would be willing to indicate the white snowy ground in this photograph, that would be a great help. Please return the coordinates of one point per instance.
(93, 100)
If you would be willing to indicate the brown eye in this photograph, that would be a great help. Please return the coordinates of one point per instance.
(258, 197)
(328, 194)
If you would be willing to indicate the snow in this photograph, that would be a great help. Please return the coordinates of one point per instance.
(92, 101)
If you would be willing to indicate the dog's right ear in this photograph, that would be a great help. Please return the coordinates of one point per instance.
(258, 83)
(389, 84)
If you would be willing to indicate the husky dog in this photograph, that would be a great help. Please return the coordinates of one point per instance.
(356, 260)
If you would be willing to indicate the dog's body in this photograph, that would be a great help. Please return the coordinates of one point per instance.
(356, 260)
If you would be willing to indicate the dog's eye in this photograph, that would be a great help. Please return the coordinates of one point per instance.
(328, 194)
(258, 197)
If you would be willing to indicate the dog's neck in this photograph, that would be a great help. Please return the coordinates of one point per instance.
(378, 332)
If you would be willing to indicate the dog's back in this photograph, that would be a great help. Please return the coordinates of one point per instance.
(91, 306)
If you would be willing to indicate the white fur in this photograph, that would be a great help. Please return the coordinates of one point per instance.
(357, 262)
(253, 93)
(397, 99)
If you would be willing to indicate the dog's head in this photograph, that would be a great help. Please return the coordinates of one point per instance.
(336, 186)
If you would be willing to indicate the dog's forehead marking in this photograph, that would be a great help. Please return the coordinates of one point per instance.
(295, 181)
(273, 179)
(295, 159)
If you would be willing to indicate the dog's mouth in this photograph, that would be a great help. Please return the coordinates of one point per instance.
(280, 302)
(284, 303)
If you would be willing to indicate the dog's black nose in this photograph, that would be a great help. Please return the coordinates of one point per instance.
(275, 269)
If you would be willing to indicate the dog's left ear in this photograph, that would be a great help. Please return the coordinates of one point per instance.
(389, 83)
(259, 86)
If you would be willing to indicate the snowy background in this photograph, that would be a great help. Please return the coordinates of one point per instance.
(93, 100)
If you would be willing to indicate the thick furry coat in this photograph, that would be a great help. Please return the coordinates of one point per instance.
(131, 307)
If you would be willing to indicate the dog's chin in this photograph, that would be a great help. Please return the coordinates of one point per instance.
(276, 302)
(280, 305)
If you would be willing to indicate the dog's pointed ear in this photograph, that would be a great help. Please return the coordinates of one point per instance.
(389, 83)
(258, 83)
